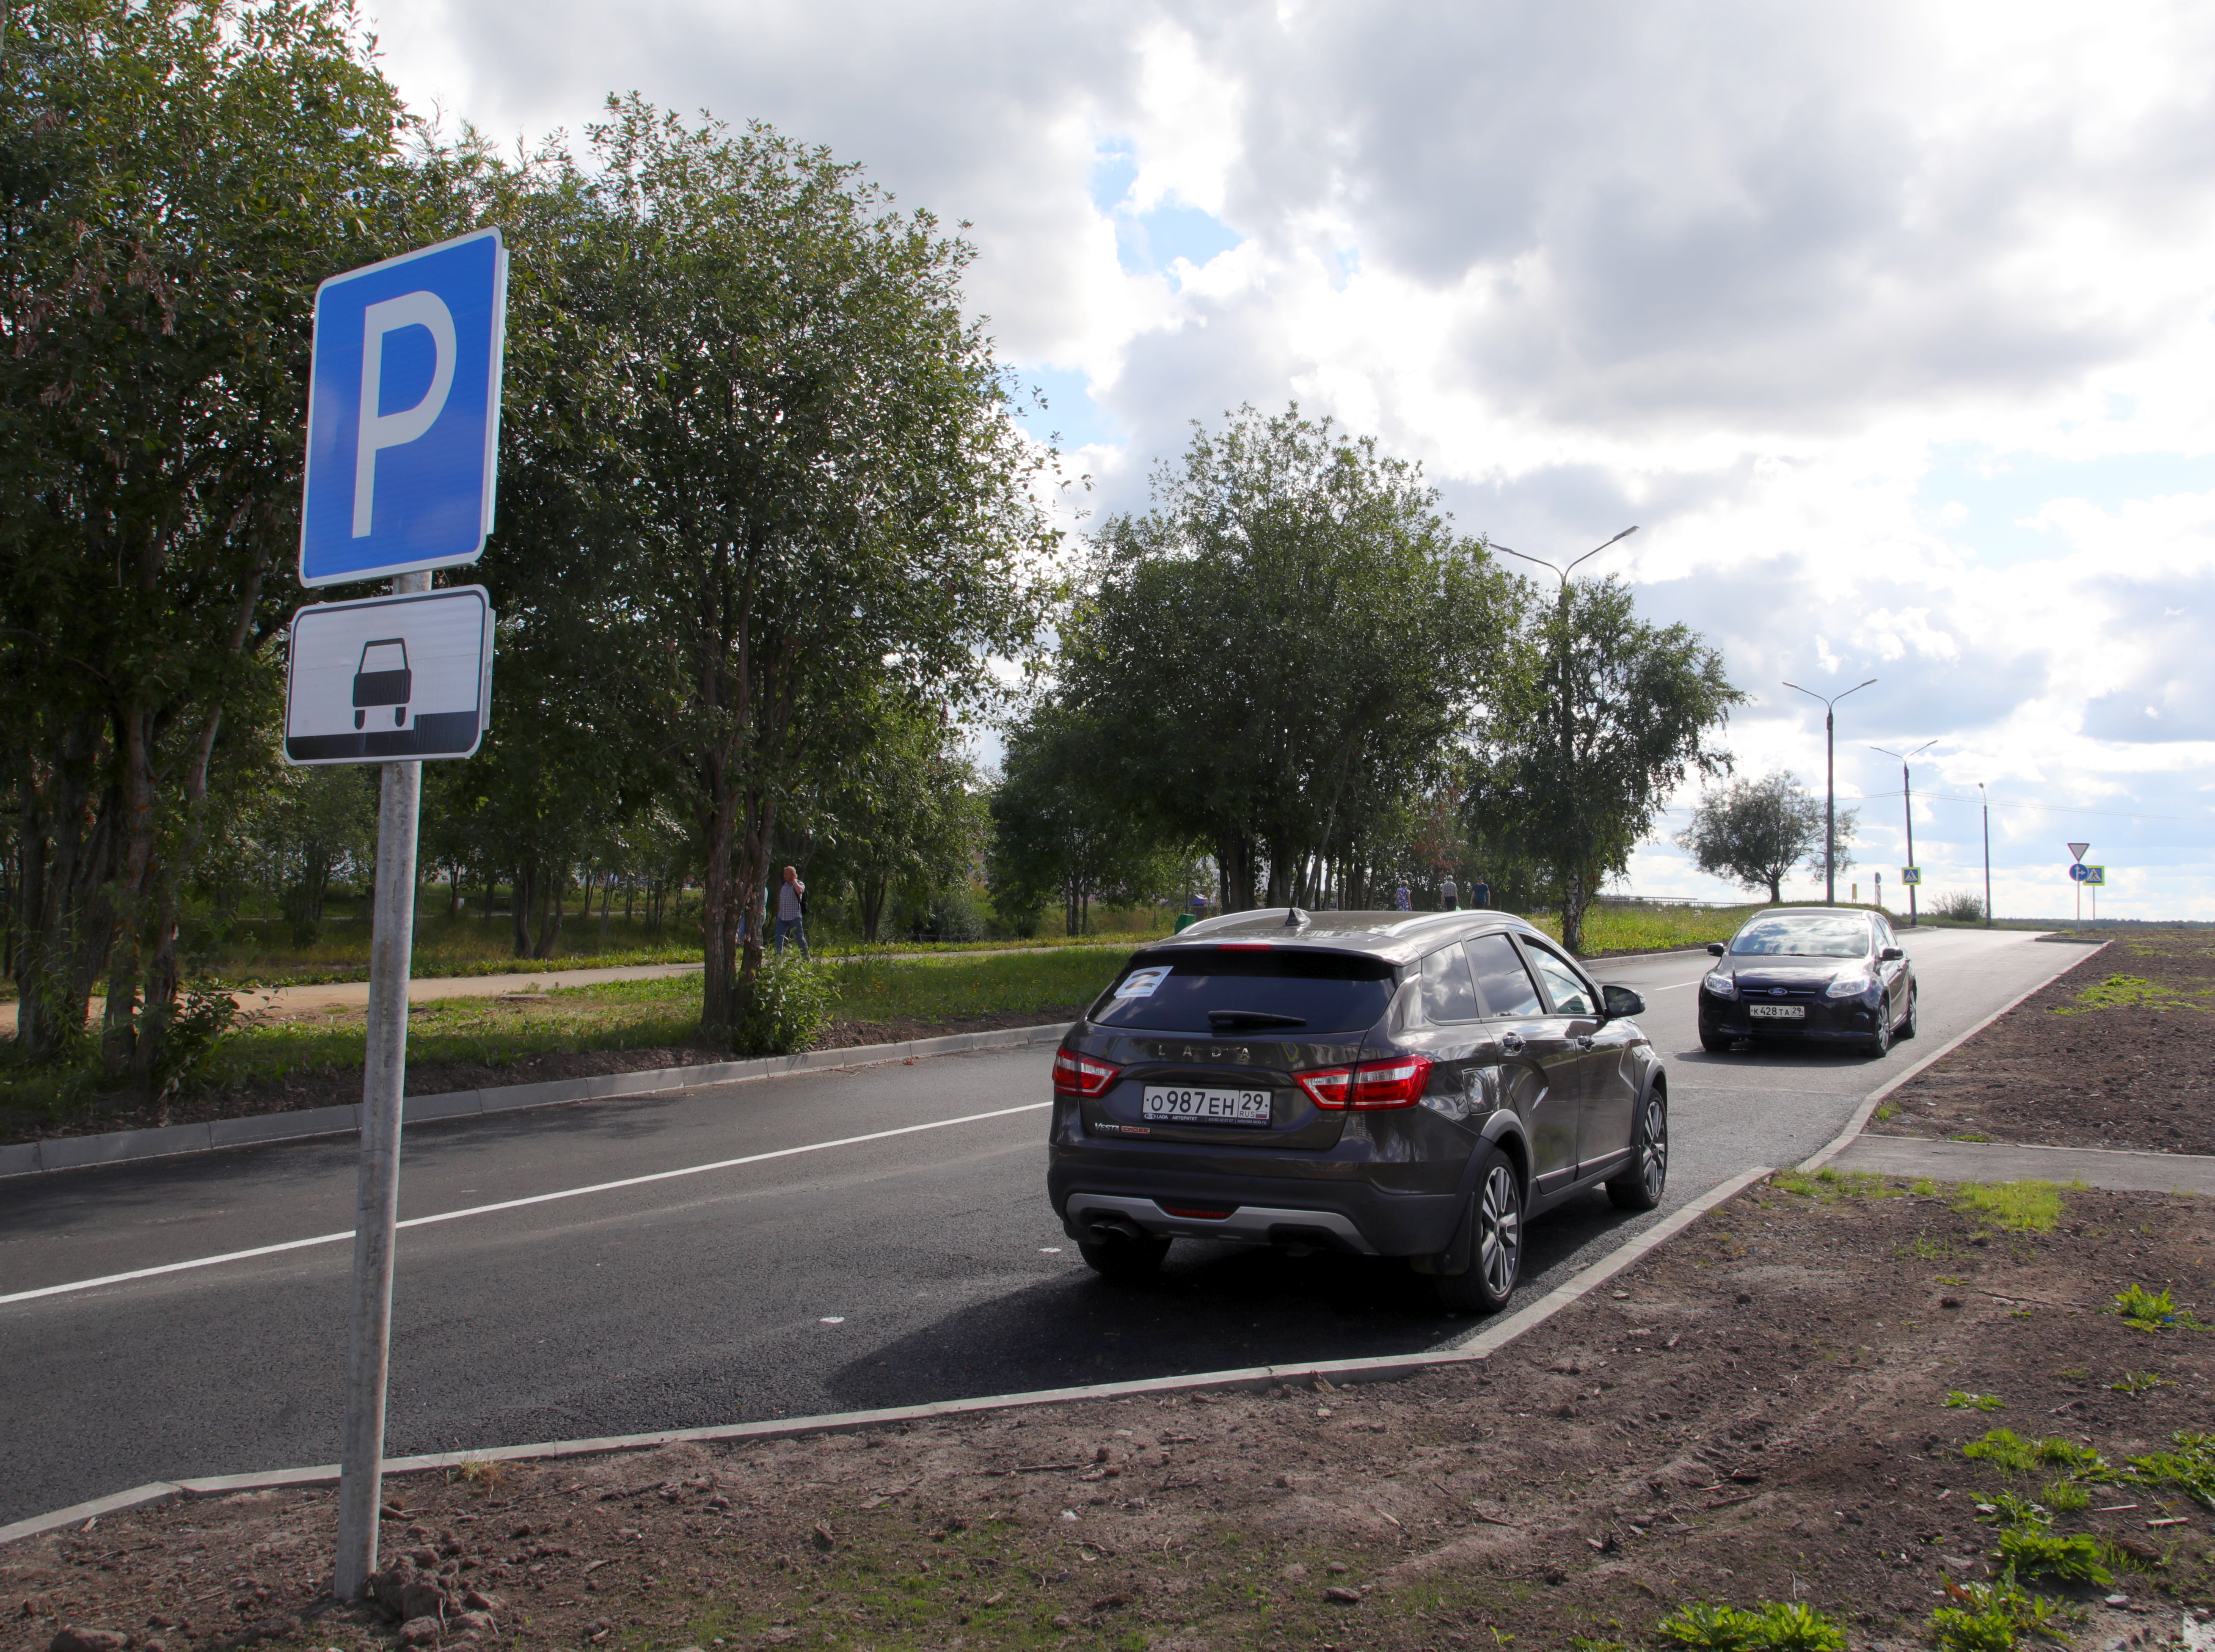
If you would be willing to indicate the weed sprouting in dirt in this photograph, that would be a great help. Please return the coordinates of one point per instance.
(1958, 1400)
(2065, 1496)
(2140, 1382)
(2019, 1206)
(2189, 1469)
(2005, 1449)
(1926, 1249)
(2030, 1551)
(1771, 1626)
(1828, 1186)
(2132, 992)
(2152, 1310)
(2005, 1508)
(1992, 1617)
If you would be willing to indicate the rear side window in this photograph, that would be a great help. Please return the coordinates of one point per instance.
(1290, 992)
(1570, 995)
(1447, 993)
(1503, 985)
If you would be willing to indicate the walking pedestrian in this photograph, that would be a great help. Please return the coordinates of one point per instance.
(1480, 894)
(1400, 902)
(792, 912)
(1449, 895)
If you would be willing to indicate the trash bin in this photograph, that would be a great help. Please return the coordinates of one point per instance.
(1185, 921)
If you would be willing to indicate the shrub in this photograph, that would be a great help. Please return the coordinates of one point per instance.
(786, 1006)
(1958, 907)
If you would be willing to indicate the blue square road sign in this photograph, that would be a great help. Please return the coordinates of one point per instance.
(403, 413)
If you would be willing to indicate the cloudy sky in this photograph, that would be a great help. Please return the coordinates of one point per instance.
(1889, 325)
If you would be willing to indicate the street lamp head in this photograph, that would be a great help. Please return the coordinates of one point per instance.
(1833, 699)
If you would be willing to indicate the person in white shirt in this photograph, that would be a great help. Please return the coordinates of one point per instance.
(792, 912)
(1449, 895)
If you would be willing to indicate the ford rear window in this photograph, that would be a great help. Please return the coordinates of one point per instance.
(1248, 992)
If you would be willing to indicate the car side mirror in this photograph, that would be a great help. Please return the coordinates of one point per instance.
(1890, 954)
(1715, 947)
(1621, 1001)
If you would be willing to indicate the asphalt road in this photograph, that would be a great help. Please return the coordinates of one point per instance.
(848, 1273)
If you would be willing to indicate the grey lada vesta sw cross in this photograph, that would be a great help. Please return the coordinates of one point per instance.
(1382, 1084)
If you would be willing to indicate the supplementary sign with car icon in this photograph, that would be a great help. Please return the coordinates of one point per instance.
(390, 677)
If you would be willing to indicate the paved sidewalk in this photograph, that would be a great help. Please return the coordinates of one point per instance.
(1999, 1161)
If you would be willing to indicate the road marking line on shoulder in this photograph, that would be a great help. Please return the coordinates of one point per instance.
(518, 1204)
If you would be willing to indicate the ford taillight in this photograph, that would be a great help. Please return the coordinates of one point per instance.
(1399, 1081)
(1080, 1075)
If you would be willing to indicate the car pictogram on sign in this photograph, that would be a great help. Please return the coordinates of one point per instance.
(383, 679)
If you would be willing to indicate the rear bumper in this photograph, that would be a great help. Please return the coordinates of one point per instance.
(1350, 1216)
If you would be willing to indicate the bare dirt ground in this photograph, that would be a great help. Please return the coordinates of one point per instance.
(1755, 1412)
(2120, 1051)
(339, 1086)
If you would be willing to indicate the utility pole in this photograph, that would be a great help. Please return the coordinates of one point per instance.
(1830, 787)
(1987, 798)
(1907, 791)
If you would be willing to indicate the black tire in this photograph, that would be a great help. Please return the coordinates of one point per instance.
(1879, 1041)
(1495, 1261)
(1124, 1260)
(1907, 1027)
(1640, 1186)
(1716, 1043)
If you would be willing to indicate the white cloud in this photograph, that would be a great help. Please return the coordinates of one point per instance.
(1889, 323)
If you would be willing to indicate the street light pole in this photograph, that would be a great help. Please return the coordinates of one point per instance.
(1907, 791)
(1987, 798)
(1566, 711)
(1830, 788)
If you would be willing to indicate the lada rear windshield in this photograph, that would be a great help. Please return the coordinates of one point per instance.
(1253, 992)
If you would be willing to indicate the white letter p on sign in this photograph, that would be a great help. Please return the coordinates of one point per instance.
(382, 430)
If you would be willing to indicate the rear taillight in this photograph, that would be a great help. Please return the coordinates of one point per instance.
(1398, 1081)
(1080, 1075)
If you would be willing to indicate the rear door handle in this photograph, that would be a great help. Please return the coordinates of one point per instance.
(1584, 1041)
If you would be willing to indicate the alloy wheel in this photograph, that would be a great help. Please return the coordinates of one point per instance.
(1654, 1154)
(1500, 1232)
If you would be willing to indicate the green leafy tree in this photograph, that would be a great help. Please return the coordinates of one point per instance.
(1755, 831)
(1063, 828)
(1282, 648)
(1594, 717)
(791, 452)
(903, 818)
(174, 180)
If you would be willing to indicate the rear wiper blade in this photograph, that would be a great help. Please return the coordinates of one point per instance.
(1219, 1019)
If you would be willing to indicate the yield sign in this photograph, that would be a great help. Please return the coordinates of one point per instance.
(2076, 851)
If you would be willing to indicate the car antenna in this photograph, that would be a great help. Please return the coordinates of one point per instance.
(1296, 919)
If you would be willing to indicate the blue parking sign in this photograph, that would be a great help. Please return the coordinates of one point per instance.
(403, 413)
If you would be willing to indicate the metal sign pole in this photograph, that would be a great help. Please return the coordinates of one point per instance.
(377, 1197)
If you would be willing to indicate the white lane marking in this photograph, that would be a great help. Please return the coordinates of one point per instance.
(518, 1204)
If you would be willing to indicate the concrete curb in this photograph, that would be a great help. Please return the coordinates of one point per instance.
(126, 1146)
(1871, 1102)
(1480, 1346)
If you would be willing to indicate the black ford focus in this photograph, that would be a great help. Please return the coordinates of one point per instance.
(1817, 974)
(1380, 1083)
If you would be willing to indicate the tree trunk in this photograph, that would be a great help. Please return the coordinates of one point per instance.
(869, 895)
(719, 916)
(551, 904)
(1576, 900)
(518, 903)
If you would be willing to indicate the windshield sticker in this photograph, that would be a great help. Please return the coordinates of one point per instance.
(1141, 983)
